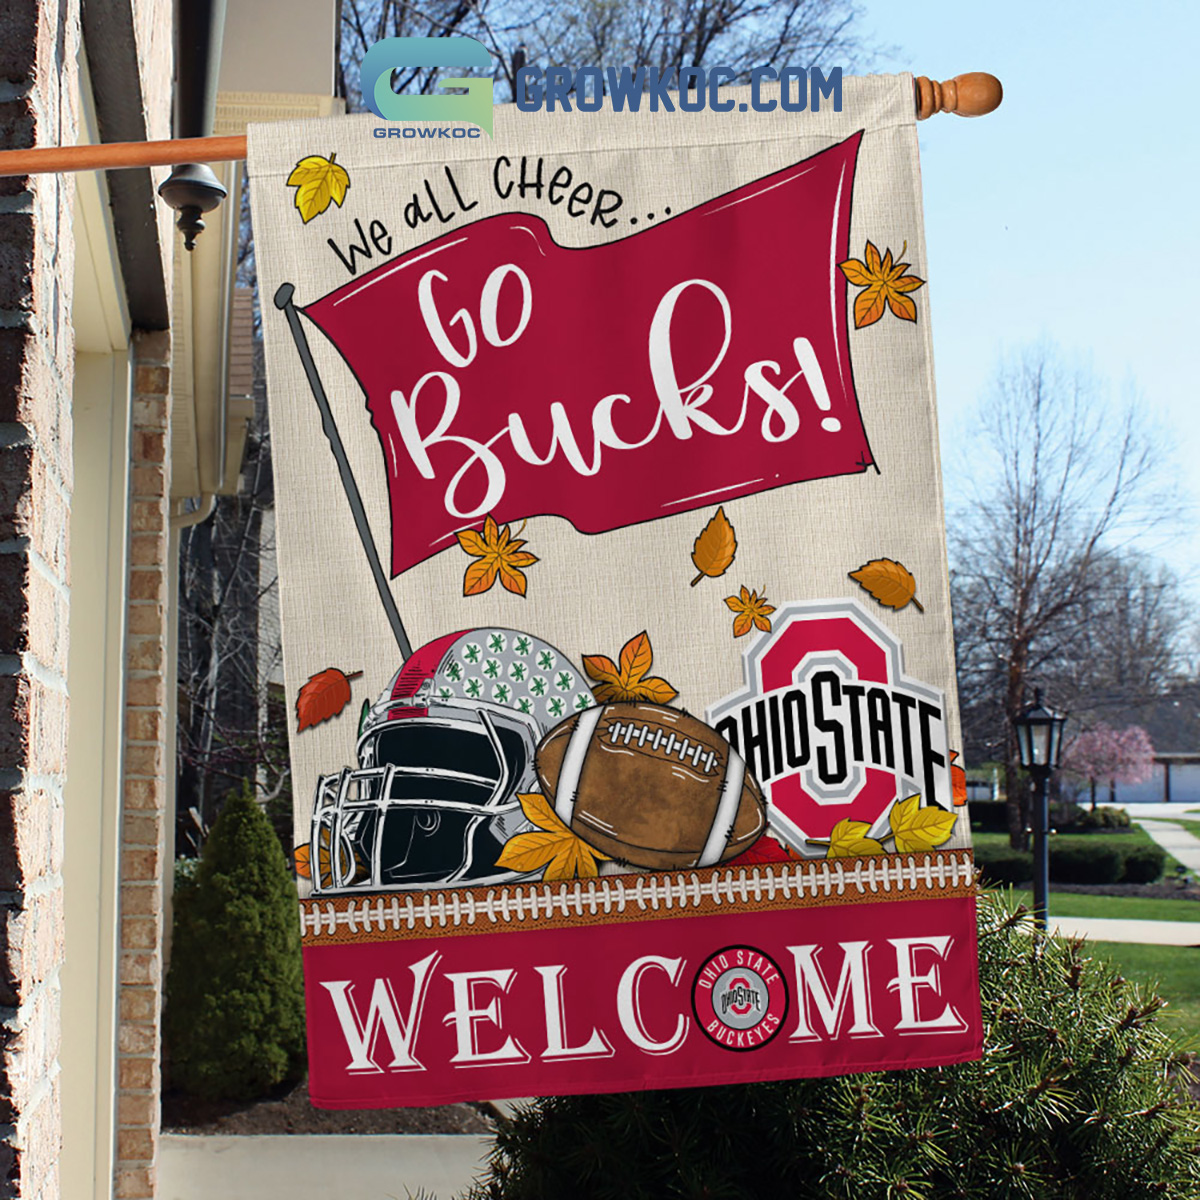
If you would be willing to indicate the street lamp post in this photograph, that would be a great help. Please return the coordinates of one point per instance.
(1039, 743)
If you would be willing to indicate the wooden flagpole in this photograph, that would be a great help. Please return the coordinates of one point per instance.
(108, 156)
(972, 95)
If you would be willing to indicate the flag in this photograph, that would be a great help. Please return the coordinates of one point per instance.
(508, 375)
(607, 492)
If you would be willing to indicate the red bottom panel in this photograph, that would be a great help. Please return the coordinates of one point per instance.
(655, 1004)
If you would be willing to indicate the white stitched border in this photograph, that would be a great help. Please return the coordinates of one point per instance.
(615, 894)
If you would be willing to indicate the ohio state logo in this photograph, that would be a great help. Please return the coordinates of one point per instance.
(740, 998)
(831, 726)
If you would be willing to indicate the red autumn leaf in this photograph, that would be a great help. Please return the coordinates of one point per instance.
(325, 695)
(765, 850)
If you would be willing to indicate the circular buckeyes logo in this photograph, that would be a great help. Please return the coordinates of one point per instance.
(740, 998)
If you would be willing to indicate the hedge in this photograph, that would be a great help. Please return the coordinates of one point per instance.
(1002, 864)
(1088, 862)
(1143, 864)
(1078, 1094)
(1075, 860)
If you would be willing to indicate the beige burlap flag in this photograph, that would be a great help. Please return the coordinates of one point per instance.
(614, 599)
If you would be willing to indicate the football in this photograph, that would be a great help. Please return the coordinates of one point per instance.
(651, 786)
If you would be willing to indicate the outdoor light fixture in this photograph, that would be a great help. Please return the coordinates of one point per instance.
(1039, 736)
(192, 190)
(1039, 743)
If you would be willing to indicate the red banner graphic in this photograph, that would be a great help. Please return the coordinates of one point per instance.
(702, 359)
(786, 993)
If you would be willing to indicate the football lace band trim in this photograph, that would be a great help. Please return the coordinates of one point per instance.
(567, 787)
(638, 897)
(727, 811)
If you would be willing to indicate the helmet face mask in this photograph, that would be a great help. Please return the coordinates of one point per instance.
(435, 795)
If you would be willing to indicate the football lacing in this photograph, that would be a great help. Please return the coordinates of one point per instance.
(669, 744)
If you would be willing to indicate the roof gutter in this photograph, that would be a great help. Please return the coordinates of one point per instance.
(200, 30)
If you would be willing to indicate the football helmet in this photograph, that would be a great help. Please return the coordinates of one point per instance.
(442, 756)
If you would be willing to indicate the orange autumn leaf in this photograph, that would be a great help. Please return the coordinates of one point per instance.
(958, 780)
(499, 556)
(889, 582)
(551, 845)
(324, 696)
(628, 682)
(714, 550)
(886, 285)
(301, 856)
(753, 611)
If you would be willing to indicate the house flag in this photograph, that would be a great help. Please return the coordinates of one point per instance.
(615, 604)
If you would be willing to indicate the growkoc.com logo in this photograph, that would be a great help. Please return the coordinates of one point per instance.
(400, 53)
(569, 90)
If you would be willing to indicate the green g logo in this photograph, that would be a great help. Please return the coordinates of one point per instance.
(393, 54)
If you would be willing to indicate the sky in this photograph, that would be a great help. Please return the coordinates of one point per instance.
(1070, 214)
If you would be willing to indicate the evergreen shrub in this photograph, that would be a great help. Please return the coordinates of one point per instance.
(1003, 864)
(988, 816)
(234, 1022)
(1104, 817)
(1090, 861)
(1065, 814)
(1144, 864)
(1079, 1095)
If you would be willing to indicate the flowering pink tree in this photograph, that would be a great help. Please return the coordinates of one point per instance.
(1104, 753)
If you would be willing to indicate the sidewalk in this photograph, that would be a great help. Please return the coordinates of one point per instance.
(318, 1167)
(1182, 846)
(1146, 933)
(1174, 839)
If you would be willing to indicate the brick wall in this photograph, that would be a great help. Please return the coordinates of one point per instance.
(144, 816)
(38, 45)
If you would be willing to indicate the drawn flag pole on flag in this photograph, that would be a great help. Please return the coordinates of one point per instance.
(283, 301)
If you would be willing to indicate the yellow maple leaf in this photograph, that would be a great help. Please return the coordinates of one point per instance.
(752, 609)
(628, 682)
(552, 845)
(319, 182)
(849, 839)
(916, 828)
(886, 285)
(500, 556)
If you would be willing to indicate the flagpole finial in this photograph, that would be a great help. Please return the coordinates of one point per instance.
(284, 294)
(974, 94)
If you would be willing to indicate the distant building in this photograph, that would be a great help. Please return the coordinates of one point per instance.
(1173, 723)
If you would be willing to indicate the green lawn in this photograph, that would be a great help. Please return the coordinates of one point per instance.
(1176, 970)
(1126, 908)
(1132, 836)
(1193, 827)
